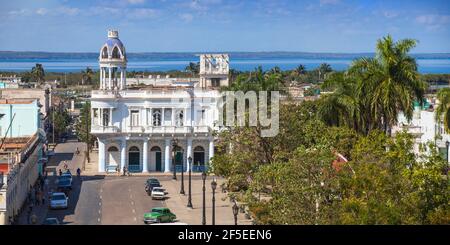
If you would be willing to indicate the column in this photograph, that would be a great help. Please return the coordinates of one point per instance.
(121, 77)
(162, 116)
(167, 156)
(101, 156)
(173, 117)
(100, 115)
(123, 150)
(211, 149)
(145, 156)
(109, 78)
(110, 116)
(101, 78)
(189, 153)
(124, 78)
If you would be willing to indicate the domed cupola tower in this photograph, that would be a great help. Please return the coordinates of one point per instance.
(113, 63)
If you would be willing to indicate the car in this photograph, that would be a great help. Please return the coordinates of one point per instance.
(59, 200)
(150, 184)
(64, 185)
(66, 175)
(51, 221)
(159, 215)
(50, 153)
(158, 193)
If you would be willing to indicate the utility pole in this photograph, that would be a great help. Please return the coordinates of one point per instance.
(53, 124)
(87, 132)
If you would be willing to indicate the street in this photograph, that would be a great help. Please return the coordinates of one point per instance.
(120, 200)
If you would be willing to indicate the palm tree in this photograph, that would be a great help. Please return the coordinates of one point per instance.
(388, 83)
(341, 107)
(38, 74)
(193, 68)
(86, 76)
(300, 70)
(324, 68)
(443, 109)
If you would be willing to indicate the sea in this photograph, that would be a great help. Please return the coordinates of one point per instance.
(168, 63)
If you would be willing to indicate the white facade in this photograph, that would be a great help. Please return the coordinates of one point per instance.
(424, 127)
(135, 128)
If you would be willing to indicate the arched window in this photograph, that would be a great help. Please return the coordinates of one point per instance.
(156, 117)
(133, 149)
(199, 156)
(116, 53)
(112, 149)
(105, 52)
(155, 148)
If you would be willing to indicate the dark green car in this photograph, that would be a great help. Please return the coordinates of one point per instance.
(159, 215)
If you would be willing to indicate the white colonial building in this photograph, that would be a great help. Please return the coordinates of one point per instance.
(136, 127)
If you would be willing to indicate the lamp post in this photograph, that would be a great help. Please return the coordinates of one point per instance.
(204, 205)
(174, 146)
(213, 187)
(189, 204)
(235, 212)
(182, 178)
(447, 145)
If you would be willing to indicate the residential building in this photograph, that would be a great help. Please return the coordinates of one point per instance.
(135, 126)
(19, 170)
(9, 81)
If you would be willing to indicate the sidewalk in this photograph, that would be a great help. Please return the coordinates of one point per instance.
(223, 207)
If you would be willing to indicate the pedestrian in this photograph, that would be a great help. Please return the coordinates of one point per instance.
(60, 172)
(124, 170)
(46, 184)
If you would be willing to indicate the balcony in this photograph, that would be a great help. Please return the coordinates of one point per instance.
(201, 129)
(136, 129)
(95, 129)
(167, 130)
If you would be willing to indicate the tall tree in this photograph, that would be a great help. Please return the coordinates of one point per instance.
(86, 76)
(389, 82)
(38, 73)
(193, 68)
(443, 109)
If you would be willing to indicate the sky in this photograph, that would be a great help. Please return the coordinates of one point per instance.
(340, 26)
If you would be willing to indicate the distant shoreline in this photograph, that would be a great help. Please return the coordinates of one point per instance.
(6, 55)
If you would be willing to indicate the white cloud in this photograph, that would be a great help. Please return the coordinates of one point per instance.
(433, 21)
(41, 11)
(187, 17)
(142, 13)
(329, 2)
(135, 1)
(19, 12)
(68, 11)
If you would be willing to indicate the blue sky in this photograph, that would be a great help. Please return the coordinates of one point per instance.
(222, 25)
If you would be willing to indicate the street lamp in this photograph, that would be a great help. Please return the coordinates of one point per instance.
(235, 212)
(174, 146)
(204, 205)
(182, 177)
(213, 187)
(446, 145)
(189, 204)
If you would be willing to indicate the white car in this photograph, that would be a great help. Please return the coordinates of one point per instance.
(158, 193)
(59, 200)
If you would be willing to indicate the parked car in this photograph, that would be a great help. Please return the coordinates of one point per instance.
(51, 221)
(159, 215)
(67, 176)
(59, 200)
(158, 193)
(64, 185)
(150, 184)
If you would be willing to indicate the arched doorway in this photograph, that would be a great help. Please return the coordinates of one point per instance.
(134, 159)
(113, 158)
(179, 159)
(155, 156)
(199, 159)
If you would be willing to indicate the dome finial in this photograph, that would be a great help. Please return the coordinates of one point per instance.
(112, 33)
